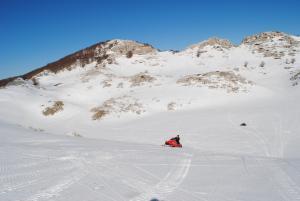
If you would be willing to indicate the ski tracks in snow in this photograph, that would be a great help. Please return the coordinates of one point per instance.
(169, 183)
(64, 183)
(288, 189)
(258, 135)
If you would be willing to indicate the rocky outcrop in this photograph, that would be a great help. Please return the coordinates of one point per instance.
(122, 47)
(272, 44)
(217, 79)
(124, 104)
(213, 42)
(268, 37)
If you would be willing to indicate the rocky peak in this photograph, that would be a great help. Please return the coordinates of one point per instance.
(268, 37)
(214, 42)
(122, 47)
(109, 50)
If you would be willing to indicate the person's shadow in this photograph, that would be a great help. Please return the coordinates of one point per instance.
(154, 199)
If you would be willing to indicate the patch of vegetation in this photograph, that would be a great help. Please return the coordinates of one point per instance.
(140, 79)
(129, 54)
(56, 107)
(99, 113)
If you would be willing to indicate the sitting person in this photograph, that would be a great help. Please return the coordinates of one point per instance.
(177, 139)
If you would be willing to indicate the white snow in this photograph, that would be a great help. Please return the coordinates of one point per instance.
(68, 156)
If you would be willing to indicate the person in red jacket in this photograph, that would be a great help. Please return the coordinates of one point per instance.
(177, 139)
(174, 142)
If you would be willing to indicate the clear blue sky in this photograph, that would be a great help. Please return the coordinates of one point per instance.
(36, 32)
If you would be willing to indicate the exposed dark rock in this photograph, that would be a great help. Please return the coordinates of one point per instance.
(243, 124)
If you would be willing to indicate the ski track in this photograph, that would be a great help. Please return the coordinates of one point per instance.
(261, 140)
(287, 188)
(168, 184)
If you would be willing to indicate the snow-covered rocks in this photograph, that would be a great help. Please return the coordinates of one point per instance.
(272, 44)
(117, 106)
(122, 47)
(210, 47)
(17, 82)
(140, 79)
(217, 43)
(269, 37)
(217, 79)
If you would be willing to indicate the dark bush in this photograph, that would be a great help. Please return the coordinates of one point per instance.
(129, 54)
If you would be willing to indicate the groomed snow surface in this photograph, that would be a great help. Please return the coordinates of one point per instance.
(220, 160)
(68, 156)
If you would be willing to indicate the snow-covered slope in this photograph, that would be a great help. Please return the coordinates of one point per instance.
(130, 96)
(42, 166)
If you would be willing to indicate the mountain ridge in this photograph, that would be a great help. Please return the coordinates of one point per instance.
(99, 52)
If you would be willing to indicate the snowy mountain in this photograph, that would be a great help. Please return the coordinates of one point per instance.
(128, 95)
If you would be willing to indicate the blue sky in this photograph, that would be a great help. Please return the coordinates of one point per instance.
(36, 32)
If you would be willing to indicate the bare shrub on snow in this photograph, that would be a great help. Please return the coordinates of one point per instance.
(295, 78)
(140, 79)
(293, 60)
(35, 82)
(171, 106)
(107, 83)
(120, 85)
(287, 61)
(36, 129)
(75, 134)
(129, 54)
(98, 113)
(56, 107)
